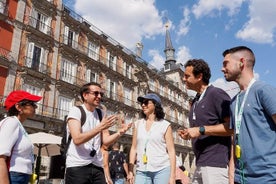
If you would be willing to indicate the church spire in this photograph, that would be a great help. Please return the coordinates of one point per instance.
(169, 50)
(170, 62)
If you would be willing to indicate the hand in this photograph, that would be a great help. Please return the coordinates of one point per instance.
(108, 121)
(124, 127)
(109, 180)
(130, 178)
(183, 134)
(172, 180)
(193, 132)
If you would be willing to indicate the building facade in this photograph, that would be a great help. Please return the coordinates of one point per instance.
(49, 50)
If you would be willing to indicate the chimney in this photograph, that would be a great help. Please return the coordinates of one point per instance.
(139, 49)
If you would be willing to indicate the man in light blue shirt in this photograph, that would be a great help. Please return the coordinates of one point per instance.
(253, 118)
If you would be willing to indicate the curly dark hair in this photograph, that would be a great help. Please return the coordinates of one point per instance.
(200, 66)
(158, 111)
(85, 88)
(13, 111)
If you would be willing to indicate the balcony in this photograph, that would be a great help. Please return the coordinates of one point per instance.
(40, 26)
(36, 66)
(69, 78)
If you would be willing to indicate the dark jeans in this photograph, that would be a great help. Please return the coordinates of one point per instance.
(89, 174)
(19, 178)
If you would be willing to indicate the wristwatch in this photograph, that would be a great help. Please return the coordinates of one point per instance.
(202, 130)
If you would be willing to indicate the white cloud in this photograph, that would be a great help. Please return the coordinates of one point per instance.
(126, 21)
(157, 59)
(262, 25)
(231, 88)
(184, 25)
(210, 7)
(183, 54)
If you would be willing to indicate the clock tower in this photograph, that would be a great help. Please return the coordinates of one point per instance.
(169, 51)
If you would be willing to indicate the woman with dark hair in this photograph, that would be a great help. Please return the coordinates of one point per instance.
(16, 148)
(152, 146)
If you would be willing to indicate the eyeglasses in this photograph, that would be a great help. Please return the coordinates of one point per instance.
(28, 103)
(96, 93)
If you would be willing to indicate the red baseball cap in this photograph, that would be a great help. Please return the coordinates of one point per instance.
(17, 96)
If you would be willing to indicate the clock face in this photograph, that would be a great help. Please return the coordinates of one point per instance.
(169, 53)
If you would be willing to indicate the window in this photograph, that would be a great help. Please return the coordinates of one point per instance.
(36, 58)
(93, 50)
(64, 105)
(128, 71)
(2, 6)
(128, 96)
(111, 93)
(70, 37)
(180, 117)
(68, 71)
(112, 61)
(40, 22)
(90, 76)
(151, 85)
(171, 95)
(161, 90)
(167, 67)
(172, 114)
(35, 91)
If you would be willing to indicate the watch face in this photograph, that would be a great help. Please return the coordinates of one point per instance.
(202, 130)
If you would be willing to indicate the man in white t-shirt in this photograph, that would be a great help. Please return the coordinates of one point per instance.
(84, 161)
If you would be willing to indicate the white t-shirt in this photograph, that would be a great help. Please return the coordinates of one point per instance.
(14, 142)
(80, 155)
(155, 144)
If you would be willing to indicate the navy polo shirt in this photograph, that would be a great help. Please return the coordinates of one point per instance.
(214, 106)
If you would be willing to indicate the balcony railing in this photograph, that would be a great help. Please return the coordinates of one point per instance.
(59, 114)
(51, 112)
(36, 65)
(69, 78)
(40, 26)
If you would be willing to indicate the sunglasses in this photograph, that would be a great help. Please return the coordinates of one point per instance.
(96, 93)
(28, 103)
(145, 102)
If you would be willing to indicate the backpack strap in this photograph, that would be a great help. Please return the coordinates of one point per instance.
(83, 115)
(99, 111)
(83, 119)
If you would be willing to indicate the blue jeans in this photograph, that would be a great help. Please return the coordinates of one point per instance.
(157, 177)
(19, 178)
(118, 181)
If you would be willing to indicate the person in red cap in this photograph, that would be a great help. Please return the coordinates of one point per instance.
(16, 149)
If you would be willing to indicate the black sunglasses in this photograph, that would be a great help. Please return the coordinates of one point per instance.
(145, 102)
(28, 103)
(96, 93)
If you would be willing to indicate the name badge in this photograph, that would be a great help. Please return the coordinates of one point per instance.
(145, 159)
(238, 151)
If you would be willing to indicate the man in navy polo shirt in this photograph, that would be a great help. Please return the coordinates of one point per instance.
(209, 122)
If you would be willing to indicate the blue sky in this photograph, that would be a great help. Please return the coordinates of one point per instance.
(198, 29)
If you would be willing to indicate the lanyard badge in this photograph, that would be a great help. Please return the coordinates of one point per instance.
(145, 158)
(238, 151)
